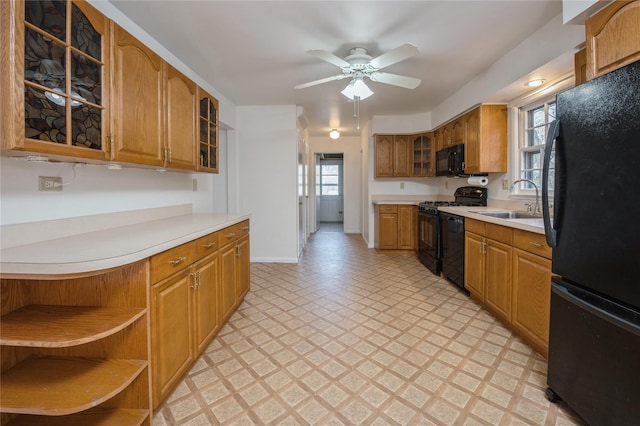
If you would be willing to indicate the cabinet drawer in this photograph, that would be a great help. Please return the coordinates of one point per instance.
(475, 226)
(171, 261)
(234, 232)
(531, 242)
(386, 208)
(207, 244)
(499, 233)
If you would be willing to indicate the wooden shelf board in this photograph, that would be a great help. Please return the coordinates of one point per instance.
(60, 385)
(63, 326)
(94, 416)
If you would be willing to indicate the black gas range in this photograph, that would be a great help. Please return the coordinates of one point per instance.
(431, 235)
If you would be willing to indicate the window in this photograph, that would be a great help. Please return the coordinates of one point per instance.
(330, 176)
(534, 121)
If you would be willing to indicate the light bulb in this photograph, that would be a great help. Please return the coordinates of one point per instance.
(334, 134)
(358, 88)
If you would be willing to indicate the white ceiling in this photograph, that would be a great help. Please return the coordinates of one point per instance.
(254, 52)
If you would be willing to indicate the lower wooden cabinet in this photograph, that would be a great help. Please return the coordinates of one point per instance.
(397, 227)
(234, 263)
(85, 340)
(171, 339)
(532, 289)
(114, 344)
(488, 266)
(509, 272)
(189, 307)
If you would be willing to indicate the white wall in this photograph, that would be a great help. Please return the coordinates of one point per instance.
(93, 190)
(546, 44)
(352, 183)
(267, 180)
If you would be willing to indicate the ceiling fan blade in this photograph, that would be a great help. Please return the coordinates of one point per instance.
(322, 80)
(398, 54)
(395, 80)
(329, 57)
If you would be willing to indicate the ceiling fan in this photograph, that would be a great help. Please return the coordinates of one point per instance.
(359, 64)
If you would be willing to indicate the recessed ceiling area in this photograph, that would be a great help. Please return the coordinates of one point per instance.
(255, 52)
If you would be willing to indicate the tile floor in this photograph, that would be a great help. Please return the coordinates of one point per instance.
(352, 337)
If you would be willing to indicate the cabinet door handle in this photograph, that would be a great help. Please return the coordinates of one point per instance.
(237, 251)
(535, 244)
(231, 235)
(198, 277)
(194, 280)
(209, 245)
(178, 260)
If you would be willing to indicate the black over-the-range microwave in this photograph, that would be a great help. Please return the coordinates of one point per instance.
(450, 161)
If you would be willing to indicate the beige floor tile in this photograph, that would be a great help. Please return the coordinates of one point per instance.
(349, 336)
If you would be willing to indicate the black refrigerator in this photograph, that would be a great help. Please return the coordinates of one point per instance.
(594, 332)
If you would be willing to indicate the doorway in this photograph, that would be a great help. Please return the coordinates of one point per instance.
(329, 192)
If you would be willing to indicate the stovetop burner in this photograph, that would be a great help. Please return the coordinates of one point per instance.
(464, 196)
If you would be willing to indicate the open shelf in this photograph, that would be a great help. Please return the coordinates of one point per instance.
(94, 416)
(63, 326)
(57, 386)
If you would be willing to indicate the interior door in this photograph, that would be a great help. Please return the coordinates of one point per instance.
(331, 188)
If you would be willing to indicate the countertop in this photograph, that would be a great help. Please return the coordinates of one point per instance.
(109, 248)
(531, 225)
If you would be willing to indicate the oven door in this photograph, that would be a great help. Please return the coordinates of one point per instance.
(429, 250)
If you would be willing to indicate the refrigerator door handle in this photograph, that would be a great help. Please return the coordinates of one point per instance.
(549, 229)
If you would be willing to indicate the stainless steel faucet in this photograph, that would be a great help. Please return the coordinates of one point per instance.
(536, 209)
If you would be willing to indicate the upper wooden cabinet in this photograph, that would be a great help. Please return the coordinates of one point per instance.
(613, 37)
(457, 132)
(424, 154)
(76, 85)
(182, 101)
(580, 66)
(392, 156)
(485, 139)
(397, 227)
(54, 67)
(137, 102)
(207, 145)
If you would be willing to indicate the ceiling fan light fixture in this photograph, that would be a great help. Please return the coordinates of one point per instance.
(334, 134)
(357, 88)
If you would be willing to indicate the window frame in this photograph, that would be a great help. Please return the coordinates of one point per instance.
(518, 110)
(320, 185)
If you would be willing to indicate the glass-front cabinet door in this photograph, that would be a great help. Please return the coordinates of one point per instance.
(423, 155)
(208, 150)
(55, 87)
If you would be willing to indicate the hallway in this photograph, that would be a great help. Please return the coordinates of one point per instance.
(349, 336)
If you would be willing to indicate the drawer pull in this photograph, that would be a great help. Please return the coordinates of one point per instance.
(231, 234)
(194, 278)
(178, 260)
(209, 245)
(245, 228)
(535, 244)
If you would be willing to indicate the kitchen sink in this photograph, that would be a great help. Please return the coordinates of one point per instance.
(509, 214)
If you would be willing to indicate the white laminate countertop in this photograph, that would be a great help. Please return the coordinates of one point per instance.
(404, 199)
(110, 248)
(532, 225)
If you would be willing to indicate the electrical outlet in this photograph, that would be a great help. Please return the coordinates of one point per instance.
(401, 185)
(49, 183)
(194, 184)
(505, 183)
(446, 184)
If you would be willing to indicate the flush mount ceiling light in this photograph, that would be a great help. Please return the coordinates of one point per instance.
(535, 83)
(334, 134)
(357, 88)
